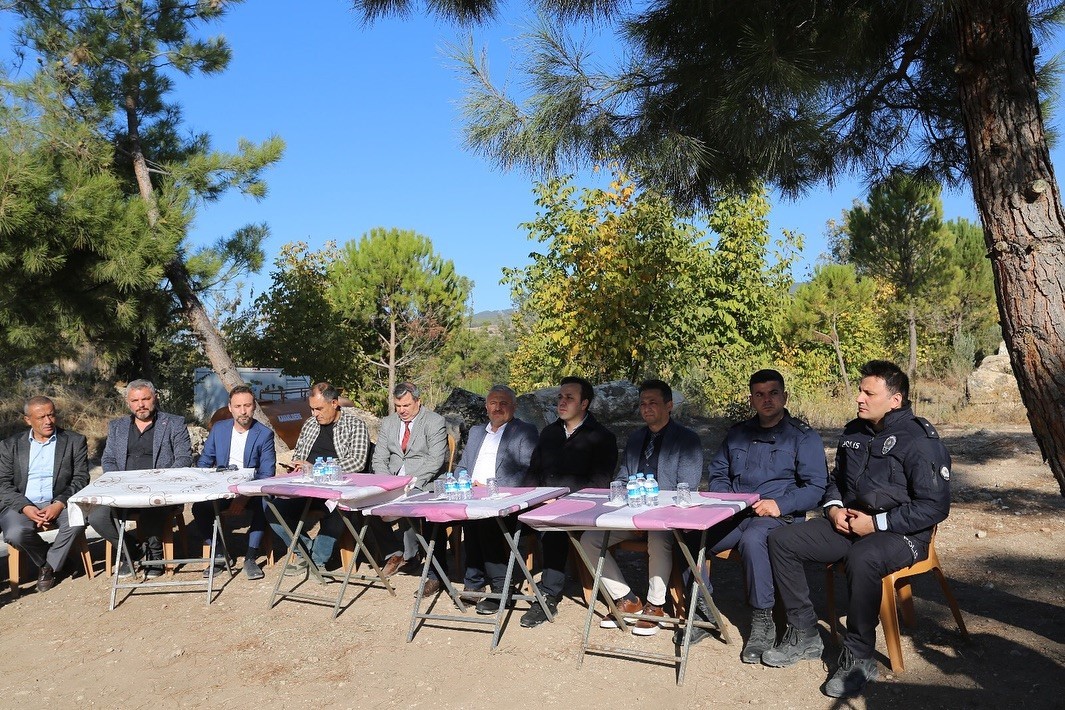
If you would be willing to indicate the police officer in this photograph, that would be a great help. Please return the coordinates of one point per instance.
(783, 460)
(889, 489)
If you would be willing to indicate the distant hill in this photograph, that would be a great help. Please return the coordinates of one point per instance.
(484, 318)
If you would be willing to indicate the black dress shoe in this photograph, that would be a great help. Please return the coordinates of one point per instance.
(45, 578)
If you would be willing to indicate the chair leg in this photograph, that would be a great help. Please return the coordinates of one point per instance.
(14, 569)
(347, 548)
(86, 557)
(905, 603)
(454, 540)
(109, 556)
(951, 601)
(889, 622)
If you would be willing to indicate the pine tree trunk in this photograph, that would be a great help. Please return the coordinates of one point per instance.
(391, 363)
(839, 357)
(192, 308)
(1019, 203)
(911, 366)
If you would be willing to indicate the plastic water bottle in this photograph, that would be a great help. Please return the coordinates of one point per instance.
(318, 470)
(641, 488)
(634, 494)
(334, 470)
(450, 487)
(650, 490)
(465, 485)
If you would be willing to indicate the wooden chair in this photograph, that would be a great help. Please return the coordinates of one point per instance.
(268, 533)
(899, 582)
(676, 580)
(14, 562)
(168, 540)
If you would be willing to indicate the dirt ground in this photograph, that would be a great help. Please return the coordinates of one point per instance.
(1002, 548)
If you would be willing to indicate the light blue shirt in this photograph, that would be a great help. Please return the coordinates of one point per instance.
(39, 486)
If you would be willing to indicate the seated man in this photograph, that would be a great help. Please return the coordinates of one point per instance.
(502, 449)
(146, 439)
(242, 442)
(330, 431)
(783, 460)
(39, 470)
(889, 489)
(412, 442)
(674, 454)
(574, 451)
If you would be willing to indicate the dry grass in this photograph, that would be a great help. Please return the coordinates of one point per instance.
(82, 406)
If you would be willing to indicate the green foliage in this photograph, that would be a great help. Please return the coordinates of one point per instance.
(832, 325)
(402, 297)
(106, 71)
(74, 268)
(293, 324)
(626, 287)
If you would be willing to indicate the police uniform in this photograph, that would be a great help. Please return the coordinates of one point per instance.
(901, 477)
(784, 463)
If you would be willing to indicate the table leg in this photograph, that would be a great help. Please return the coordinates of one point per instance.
(428, 547)
(516, 556)
(360, 545)
(294, 544)
(217, 535)
(700, 586)
(118, 558)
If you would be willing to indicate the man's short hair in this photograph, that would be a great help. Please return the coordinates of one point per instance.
(36, 402)
(505, 390)
(326, 391)
(587, 391)
(661, 386)
(766, 376)
(406, 388)
(241, 389)
(894, 378)
(140, 385)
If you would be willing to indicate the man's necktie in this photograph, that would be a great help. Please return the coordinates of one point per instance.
(406, 436)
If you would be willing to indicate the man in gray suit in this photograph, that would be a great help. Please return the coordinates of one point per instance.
(502, 449)
(412, 442)
(147, 438)
(674, 454)
(39, 470)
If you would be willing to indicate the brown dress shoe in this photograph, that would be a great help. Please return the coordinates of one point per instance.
(432, 586)
(392, 565)
(46, 578)
(648, 628)
(625, 607)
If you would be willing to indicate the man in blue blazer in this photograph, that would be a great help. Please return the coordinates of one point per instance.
(674, 454)
(244, 443)
(146, 439)
(500, 449)
(39, 470)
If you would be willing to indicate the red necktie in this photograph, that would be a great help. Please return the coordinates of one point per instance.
(406, 436)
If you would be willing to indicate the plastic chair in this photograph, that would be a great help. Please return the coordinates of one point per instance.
(899, 582)
(14, 561)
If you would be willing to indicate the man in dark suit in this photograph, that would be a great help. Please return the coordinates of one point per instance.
(501, 449)
(39, 471)
(412, 442)
(244, 443)
(146, 439)
(574, 451)
(674, 454)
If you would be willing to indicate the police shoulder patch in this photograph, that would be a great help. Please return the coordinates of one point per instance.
(944, 473)
(929, 430)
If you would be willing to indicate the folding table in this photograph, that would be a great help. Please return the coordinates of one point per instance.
(591, 509)
(147, 488)
(354, 492)
(438, 511)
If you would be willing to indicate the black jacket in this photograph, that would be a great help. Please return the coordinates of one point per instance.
(584, 460)
(900, 475)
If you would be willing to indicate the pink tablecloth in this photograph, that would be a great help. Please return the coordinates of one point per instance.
(588, 509)
(358, 490)
(435, 510)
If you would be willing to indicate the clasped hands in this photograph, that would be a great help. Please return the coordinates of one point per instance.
(44, 518)
(849, 521)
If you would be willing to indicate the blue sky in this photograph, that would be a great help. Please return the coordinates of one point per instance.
(370, 117)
